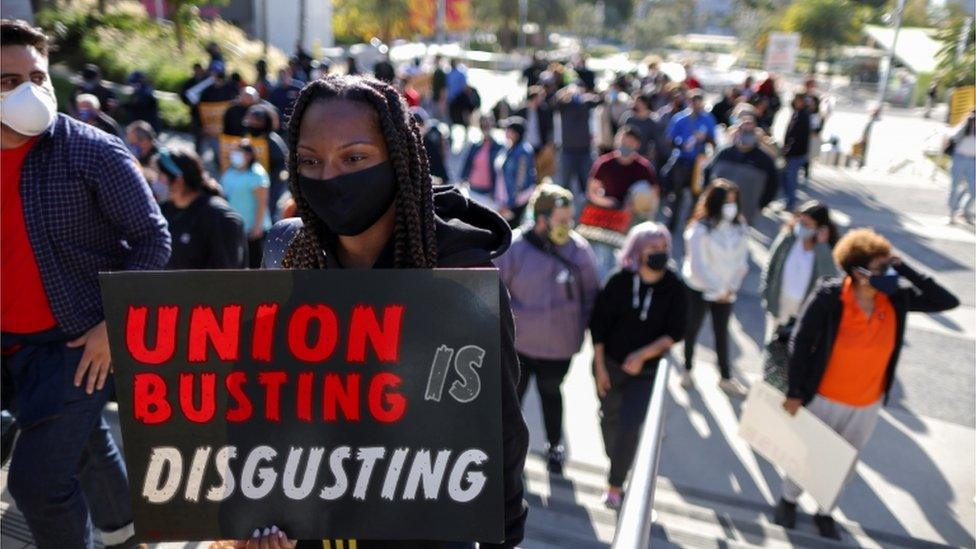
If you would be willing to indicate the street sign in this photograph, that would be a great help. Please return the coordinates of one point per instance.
(781, 50)
(331, 403)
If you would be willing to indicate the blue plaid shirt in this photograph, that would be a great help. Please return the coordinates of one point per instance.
(87, 209)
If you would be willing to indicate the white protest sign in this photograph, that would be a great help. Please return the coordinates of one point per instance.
(781, 49)
(805, 448)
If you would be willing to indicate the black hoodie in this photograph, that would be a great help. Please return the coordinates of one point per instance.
(468, 236)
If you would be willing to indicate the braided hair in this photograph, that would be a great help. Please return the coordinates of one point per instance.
(414, 230)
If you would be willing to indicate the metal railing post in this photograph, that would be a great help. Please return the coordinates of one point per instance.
(635, 522)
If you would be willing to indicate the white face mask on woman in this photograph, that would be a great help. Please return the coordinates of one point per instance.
(28, 109)
(729, 211)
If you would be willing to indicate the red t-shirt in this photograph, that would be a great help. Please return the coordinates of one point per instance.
(412, 97)
(618, 177)
(24, 304)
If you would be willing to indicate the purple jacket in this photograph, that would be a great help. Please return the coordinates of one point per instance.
(551, 301)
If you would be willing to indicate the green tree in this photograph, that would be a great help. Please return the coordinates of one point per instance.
(823, 24)
(955, 64)
(183, 12)
(355, 20)
(663, 20)
(500, 17)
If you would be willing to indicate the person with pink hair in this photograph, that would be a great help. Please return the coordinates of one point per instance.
(638, 316)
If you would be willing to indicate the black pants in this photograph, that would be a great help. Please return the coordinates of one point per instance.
(622, 413)
(255, 250)
(549, 376)
(721, 312)
(680, 181)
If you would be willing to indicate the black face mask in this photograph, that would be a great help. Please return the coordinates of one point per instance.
(351, 203)
(657, 261)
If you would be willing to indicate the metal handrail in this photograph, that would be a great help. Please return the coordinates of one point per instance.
(635, 521)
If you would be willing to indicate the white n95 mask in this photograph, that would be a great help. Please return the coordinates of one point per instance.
(28, 109)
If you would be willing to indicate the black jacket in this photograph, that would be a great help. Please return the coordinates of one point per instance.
(616, 320)
(468, 235)
(546, 124)
(796, 142)
(816, 328)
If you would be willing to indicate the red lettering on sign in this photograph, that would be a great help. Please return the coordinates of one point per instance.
(392, 407)
(149, 398)
(243, 409)
(325, 341)
(335, 395)
(264, 322)
(208, 396)
(304, 400)
(385, 341)
(135, 334)
(225, 337)
(272, 382)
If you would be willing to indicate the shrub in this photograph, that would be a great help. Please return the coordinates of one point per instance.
(125, 39)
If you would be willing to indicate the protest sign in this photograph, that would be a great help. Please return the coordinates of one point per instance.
(334, 404)
(212, 116)
(605, 225)
(805, 448)
(230, 142)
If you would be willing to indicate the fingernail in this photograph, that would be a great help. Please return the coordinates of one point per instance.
(274, 529)
(281, 535)
(257, 533)
(267, 531)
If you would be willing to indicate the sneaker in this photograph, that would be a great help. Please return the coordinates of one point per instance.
(555, 459)
(613, 500)
(785, 514)
(687, 381)
(826, 526)
(732, 387)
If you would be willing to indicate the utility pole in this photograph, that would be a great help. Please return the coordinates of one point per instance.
(441, 21)
(891, 55)
(264, 28)
(523, 20)
(302, 13)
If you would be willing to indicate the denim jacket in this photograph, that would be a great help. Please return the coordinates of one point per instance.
(518, 171)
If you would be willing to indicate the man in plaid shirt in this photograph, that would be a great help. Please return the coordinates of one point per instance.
(74, 203)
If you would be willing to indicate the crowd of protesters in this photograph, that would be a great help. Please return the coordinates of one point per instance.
(591, 172)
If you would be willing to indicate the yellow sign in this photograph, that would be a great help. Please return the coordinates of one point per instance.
(961, 101)
(212, 116)
(230, 142)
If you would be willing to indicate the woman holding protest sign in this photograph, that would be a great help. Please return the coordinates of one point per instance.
(638, 316)
(361, 181)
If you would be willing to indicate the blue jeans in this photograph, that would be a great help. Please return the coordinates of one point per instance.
(66, 473)
(575, 164)
(791, 175)
(963, 183)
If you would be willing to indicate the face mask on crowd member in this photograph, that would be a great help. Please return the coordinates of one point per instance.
(628, 143)
(238, 159)
(28, 107)
(878, 274)
(730, 210)
(802, 232)
(553, 208)
(88, 108)
(745, 137)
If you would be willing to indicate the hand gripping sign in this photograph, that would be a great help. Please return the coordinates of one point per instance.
(345, 404)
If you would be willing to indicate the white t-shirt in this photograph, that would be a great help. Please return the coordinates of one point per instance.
(797, 271)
